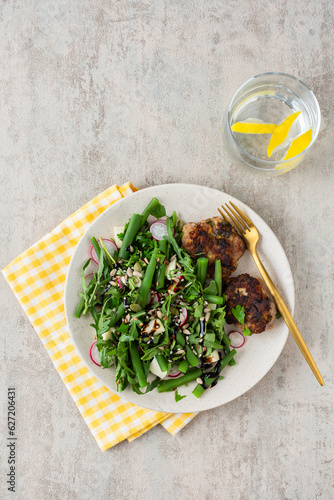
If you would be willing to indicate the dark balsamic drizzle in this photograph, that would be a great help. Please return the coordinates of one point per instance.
(212, 374)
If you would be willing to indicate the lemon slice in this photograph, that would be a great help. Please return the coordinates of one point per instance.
(281, 132)
(253, 128)
(299, 144)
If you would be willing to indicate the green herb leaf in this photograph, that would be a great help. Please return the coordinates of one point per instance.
(178, 397)
(239, 313)
(247, 332)
(211, 289)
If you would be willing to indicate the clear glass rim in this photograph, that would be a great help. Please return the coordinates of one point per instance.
(273, 162)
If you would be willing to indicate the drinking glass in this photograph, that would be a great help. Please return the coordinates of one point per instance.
(270, 98)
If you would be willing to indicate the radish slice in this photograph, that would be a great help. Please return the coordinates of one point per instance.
(237, 339)
(88, 278)
(184, 312)
(158, 230)
(153, 297)
(120, 283)
(94, 355)
(110, 246)
(174, 372)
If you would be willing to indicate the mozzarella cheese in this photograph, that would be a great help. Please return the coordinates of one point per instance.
(155, 369)
(154, 327)
(171, 267)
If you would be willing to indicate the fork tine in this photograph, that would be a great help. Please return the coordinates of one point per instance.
(240, 219)
(224, 216)
(234, 221)
(244, 216)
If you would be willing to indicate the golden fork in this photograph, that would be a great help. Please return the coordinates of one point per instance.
(250, 235)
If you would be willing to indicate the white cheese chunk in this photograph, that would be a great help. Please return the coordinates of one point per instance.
(171, 267)
(155, 369)
(214, 357)
(107, 335)
(154, 327)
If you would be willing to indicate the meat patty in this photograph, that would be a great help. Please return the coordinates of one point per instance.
(260, 310)
(215, 239)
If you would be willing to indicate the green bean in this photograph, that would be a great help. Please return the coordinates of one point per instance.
(162, 244)
(226, 339)
(120, 313)
(137, 364)
(161, 272)
(202, 269)
(151, 206)
(168, 385)
(183, 366)
(80, 308)
(161, 276)
(200, 388)
(180, 338)
(218, 277)
(134, 225)
(198, 391)
(227, 351)
(228, 358)
(162, 362)
(148, 278)
(191, 357)
(213, 299)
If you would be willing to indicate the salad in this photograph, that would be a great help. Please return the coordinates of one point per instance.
(158, 318)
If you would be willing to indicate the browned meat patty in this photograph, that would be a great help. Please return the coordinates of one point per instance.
(215, 239)
(260, 310)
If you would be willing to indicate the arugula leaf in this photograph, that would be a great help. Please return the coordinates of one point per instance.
(198, 311)
(178, 397)
(159, 211)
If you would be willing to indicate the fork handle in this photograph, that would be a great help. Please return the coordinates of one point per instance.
(287, 317)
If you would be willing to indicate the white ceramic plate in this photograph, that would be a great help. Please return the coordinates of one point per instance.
(192, 203)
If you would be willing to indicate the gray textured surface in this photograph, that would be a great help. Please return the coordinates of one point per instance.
(96, 93)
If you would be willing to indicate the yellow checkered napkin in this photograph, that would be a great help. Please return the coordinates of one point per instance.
(37, 278)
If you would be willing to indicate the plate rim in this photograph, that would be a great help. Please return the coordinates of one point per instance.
(139, 192)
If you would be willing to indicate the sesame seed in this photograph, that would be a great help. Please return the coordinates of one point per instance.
(131, 248)
(207, 316)
(159, 314)
(207, 310)
(113, 272)
(129, 272)
(202, 318)
(199, 381)
(186, 332)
